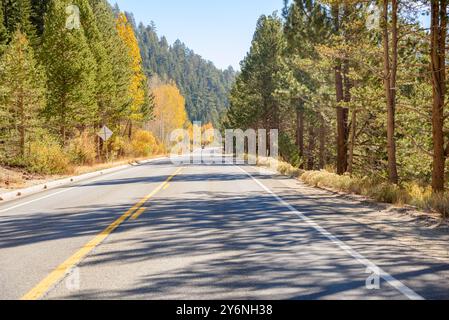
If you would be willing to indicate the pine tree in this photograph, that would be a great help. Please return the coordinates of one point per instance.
(3, 30)
(390, 81)
(149, 102)
(17, 14)
(261, 69)
(39, 8)
(105, 86)
(71, 73)
(23, 92)
(306, 26)
(438, 53)
(120, 61)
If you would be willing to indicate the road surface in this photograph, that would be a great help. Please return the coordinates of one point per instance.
(162, 231)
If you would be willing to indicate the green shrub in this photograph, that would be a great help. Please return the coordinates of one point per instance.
(289, 150)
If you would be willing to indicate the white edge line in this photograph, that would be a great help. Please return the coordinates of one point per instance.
(398, 285)
(69, 189)
(35, 200)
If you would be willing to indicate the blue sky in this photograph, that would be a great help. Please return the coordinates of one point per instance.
(218, 30)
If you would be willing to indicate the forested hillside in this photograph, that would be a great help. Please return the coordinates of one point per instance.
(204, 87)
(358, 88)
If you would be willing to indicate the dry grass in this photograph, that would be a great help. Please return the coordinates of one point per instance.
(412, 194)
(280, 166)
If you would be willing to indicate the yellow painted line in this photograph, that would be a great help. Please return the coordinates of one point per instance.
(60, 272)
(138, 213)
(163, 186)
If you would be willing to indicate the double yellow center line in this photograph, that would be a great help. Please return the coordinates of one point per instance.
(60, 272)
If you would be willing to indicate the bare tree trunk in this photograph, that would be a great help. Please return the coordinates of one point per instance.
(63, 119)
(322, 142)
(311, 148)
(22, 124)
(300, 131)
(352, 142)
(63, 132)
(276, 118)
(130, 129)
(390, 71)
(438, 65)
(341, 124)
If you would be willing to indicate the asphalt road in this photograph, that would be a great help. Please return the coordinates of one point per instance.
(161, 231)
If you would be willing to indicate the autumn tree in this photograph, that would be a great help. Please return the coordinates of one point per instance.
(135, 111)
(204, 86)
(169, 111)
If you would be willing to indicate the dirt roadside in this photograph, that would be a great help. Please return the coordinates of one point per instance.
(12, 178)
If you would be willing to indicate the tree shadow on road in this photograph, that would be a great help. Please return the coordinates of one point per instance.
(225, 245)
(218, 246)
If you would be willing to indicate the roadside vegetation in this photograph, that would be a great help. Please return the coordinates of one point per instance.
(420, 196)
(357, 90)
(61, 82)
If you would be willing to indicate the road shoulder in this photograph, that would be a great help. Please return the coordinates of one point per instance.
(408, 226)
(16, 194)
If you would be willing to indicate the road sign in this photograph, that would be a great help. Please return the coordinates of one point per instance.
(105, 133)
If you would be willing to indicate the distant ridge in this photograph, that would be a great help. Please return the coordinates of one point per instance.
(204, 86)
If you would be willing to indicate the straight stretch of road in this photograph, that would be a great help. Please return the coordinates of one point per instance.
(162, 231)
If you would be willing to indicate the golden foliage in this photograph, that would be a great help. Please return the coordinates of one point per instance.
(47, 157)
(136, 89)
(145, 144)
(169, 112)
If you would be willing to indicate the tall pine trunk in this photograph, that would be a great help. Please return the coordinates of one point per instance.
(438, 65)
(22, 124)
(352, 142)
(390, 71)
(342, 113)
(311, 147)
(322, 142)
(300, 131)
(342, 149)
